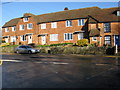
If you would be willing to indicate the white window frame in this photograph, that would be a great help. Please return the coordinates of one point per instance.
(25, 19)
(94, 38)
(107, 27)
(21, 27)
(14, 28)
(13, 39)
(7, 29)
(68, 36)
(81, 22)
(53, 37)
(68, 23)
(29, 27)
(43, 26)
(107, 39)
(118, 13)
(80, 36)
(53, 24)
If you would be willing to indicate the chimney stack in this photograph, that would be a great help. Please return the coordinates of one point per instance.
(66, 8)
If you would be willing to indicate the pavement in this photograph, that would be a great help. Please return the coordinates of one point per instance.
(60, 71)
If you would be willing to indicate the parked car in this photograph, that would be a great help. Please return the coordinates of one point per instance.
(26, 49)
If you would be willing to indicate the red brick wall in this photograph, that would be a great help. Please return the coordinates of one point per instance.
(115, 30)
(61, 29)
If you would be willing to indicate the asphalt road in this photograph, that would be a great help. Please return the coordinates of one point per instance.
(60, 71)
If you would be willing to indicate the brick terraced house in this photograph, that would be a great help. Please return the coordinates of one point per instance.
(68, 26)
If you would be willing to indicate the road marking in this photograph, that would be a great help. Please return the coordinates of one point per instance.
(1, 62)
(53, 62)
(111, 56)
(11, 60)
(59, 63)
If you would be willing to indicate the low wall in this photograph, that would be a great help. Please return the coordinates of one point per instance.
(75, 50)
(7, 49)
(69, 50)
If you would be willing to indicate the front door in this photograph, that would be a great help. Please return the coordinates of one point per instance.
(43, 39)
(29, 39)
(6, 40)
(117, 40)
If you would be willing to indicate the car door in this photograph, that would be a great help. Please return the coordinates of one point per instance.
(22, 49)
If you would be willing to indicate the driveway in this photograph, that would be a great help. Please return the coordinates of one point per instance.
(60, 71)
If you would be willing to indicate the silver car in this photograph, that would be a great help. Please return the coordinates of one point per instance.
(26, 49)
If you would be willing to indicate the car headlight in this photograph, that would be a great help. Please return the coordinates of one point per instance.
(33, 50)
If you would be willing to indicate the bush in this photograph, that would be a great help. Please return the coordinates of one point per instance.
(32, 44)
(4, 44)
(3, 41)
(82, 42)
(43, 45)
(60, 44)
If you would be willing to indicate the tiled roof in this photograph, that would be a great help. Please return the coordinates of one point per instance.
(68, 14)
(101, 15)
(94, 32)
(12, 22)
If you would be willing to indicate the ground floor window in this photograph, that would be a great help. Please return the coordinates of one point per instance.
(68, 36)
(23, 38)
(107, 40)
(80, 36)
(94, 38)
(53, 37)
(13, 39)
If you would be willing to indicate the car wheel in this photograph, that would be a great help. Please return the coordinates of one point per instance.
(17, 52)
(29, 52)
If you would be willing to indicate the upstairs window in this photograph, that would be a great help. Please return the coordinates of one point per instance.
(68, 23)
(29, 26)
(14, 28)
(21, 27)
(68, 36)
(107, 27)
(118, 13)
(81, 22)
(6, 29)
(43, 26)
(25, 19)
(54, 25)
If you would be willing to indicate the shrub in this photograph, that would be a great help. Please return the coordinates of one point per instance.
(42, 45)
(82, 42)
(32, 44)
(3, 41)
(60, 44)
(4, 44)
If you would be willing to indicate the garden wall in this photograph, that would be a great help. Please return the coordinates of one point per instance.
(69, 50)
(76, 50)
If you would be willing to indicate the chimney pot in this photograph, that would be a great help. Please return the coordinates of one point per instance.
(66, 8)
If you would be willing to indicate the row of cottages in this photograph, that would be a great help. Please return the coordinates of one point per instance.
(68, 26)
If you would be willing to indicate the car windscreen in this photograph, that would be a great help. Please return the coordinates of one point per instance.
(28, 47)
